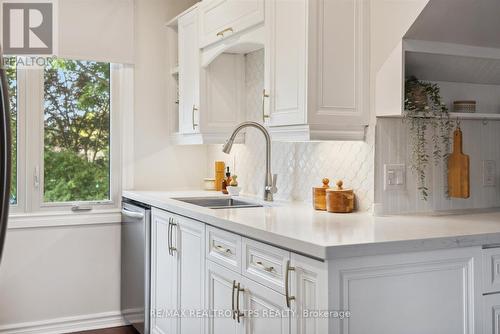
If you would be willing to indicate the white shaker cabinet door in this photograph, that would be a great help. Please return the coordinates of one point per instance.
(163, 275)
(221, 19)
(189, 73)
(435, 292)
(309, 290)
(492, 314)
(189, 244)
(263, 309)
(220, 300)
(286, 63)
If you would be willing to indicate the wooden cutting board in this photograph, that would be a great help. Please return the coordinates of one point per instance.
(458, 169)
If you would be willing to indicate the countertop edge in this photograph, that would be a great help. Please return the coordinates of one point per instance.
(321, 252)
(301, 247)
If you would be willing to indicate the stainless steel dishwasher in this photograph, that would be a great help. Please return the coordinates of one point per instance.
(135, 264)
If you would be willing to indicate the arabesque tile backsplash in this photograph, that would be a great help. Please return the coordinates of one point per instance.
(299, 166)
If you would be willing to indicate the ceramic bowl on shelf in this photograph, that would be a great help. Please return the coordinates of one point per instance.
(464, 106)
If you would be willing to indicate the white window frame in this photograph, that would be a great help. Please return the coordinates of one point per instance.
(30, 122)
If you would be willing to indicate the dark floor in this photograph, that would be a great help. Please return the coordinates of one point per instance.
(114, 330)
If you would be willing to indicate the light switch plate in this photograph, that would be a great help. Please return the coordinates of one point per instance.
(489, 173)
(394, 177)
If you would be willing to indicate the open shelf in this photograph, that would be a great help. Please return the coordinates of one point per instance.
(461, 116)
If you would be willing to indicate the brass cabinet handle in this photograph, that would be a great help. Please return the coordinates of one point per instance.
(238, 313)
(288, 298)
(264, 96)
(222, 32)
(261, 265)
(194, 124)
(222, 249)
(233, 310)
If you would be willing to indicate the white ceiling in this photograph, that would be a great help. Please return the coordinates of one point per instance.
(468, 22)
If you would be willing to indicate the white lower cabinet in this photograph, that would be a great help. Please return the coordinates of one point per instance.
(309, 290)
(257, 288)
(240, 305)
(426, 292)
(220, 300)
(163, 275)
(491, 311)
(178, 267)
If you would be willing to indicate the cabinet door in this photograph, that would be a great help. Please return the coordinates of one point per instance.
(219, 300)
(190, 248)
(426, 292)
(286, 62)
(163, 275)
(189, 73)
(491, 314)
(221, 19)
(339, 64)
(309, 286)
(264, 309)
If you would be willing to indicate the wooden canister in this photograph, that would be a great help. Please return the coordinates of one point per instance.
(340, 200)
(319, 195)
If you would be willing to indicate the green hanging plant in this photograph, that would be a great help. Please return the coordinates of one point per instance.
(425, 114)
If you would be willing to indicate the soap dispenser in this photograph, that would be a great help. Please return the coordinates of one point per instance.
(226, 182)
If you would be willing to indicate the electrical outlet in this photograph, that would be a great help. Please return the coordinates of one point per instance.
(394, 177)
(489, 173)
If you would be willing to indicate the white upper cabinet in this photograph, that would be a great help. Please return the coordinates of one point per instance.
(189, 73)
(318, 69)
(210, 99)
(220, 19)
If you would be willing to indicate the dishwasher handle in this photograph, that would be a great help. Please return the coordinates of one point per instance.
(132, 214)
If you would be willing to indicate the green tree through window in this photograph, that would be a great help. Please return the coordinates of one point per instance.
(77, 131)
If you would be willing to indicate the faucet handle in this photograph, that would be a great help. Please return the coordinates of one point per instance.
(274, 189)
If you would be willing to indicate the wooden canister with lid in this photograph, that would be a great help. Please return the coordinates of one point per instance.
(319, 195)
(339, 200)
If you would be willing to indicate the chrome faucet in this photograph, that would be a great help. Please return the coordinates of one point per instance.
(270, 185)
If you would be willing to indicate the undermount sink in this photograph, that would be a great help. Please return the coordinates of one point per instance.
(218, 202)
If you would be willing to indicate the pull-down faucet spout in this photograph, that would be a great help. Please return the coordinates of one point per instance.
(270, 183)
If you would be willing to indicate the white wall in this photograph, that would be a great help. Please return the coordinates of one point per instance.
(51, 273)
(158, 165)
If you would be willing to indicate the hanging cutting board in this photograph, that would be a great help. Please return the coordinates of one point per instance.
(458, 169)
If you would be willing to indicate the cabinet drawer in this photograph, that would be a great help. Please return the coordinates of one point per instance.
(224, 248)
(265, 264)
(220, 19)
(491, 268)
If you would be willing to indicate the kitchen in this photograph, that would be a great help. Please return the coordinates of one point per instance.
(376, 94)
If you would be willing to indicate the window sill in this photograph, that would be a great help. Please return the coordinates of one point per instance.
(54, 219)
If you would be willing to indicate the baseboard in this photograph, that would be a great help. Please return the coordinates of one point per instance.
(67, 324)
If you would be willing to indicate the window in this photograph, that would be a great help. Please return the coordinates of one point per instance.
(76, 131)
(62, 117)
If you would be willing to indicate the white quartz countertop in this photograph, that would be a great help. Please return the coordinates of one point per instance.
(300, 228)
